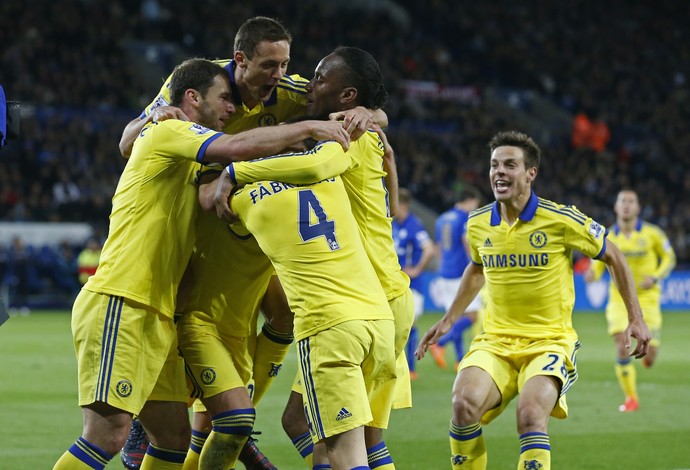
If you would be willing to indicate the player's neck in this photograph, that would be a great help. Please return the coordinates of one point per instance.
(626, 226)
(245, 93)
(511, 209)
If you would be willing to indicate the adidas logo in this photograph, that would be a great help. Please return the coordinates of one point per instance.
(487, 243)
(343, 414)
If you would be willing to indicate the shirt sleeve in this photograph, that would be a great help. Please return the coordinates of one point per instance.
(326, 160)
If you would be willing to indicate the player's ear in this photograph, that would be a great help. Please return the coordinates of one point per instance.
(192, 95)
(531, 174)
(348, 95)
(240, 59)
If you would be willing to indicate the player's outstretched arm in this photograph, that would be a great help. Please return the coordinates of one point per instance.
(134, 127)
(622, 276)
(471, 282)
(265, 141)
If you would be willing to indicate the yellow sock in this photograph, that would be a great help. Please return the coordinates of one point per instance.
(191, 461)
(82, 456)
(379, 457)
(230, 432)
(271, 348)
(305, 447)
(535, 451)
(627, 377)
(467, 447)
(163, 459)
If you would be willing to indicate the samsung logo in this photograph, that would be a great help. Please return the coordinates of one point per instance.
(515, 260)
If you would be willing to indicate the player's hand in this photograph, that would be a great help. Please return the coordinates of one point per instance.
(638, 330)
(433, 335)
(388, 152)
(221, 199)
(329, 130)
(355, 121)
(412, 271)
(647, 283)
(163, 113)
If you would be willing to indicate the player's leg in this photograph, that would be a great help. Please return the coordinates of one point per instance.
(378, 456)
(108, 410)
(347, 450)
(474, 392)
(537, 399)
(201, 429)
(295, 424)
(274, 340)
(165, 416)
(168, 428)
(105, 431)
(232, 417)
(626, 373)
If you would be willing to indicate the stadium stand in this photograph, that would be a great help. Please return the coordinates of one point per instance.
(457, 72)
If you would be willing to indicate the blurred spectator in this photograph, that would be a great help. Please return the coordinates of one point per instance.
(87, 261)
(81, 82)
(21, 272)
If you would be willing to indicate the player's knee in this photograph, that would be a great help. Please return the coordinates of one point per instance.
(293, 420)
(372, 436)
(531, 417)
(173, 434)
(465, 409)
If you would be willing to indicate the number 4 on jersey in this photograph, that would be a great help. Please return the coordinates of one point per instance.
(308, 203)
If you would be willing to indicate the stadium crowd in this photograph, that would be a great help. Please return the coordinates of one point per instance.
(70, 65)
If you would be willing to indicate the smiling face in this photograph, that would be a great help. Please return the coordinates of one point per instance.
(510, 180)
(260, 75)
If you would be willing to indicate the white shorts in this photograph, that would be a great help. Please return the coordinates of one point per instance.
(446, 289)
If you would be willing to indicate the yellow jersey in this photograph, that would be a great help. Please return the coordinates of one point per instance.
(528, 266)
(152, 223)
(311, 237)
(361, 169)
(648, 253)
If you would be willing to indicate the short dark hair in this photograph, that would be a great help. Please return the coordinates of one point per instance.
(530, 149)
(197, 74)
(257, 29)
(363, 73)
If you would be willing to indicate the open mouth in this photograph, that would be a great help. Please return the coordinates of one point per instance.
(501, 185)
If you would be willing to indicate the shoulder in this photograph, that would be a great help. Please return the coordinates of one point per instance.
(293, 83)
(483, 212)
(563, 212)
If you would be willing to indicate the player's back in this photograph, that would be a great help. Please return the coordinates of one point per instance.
(450, 228)
(312, 239)
(366, 189)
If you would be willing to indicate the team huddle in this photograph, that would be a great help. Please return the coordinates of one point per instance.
(249, 192)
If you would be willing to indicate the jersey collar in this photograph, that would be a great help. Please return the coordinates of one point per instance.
(526, 215)
(638, 227)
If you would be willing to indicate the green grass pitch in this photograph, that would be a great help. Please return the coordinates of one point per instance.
(40, 418)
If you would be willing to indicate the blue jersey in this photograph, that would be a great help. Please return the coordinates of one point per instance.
(450, 229)
(410, 238)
